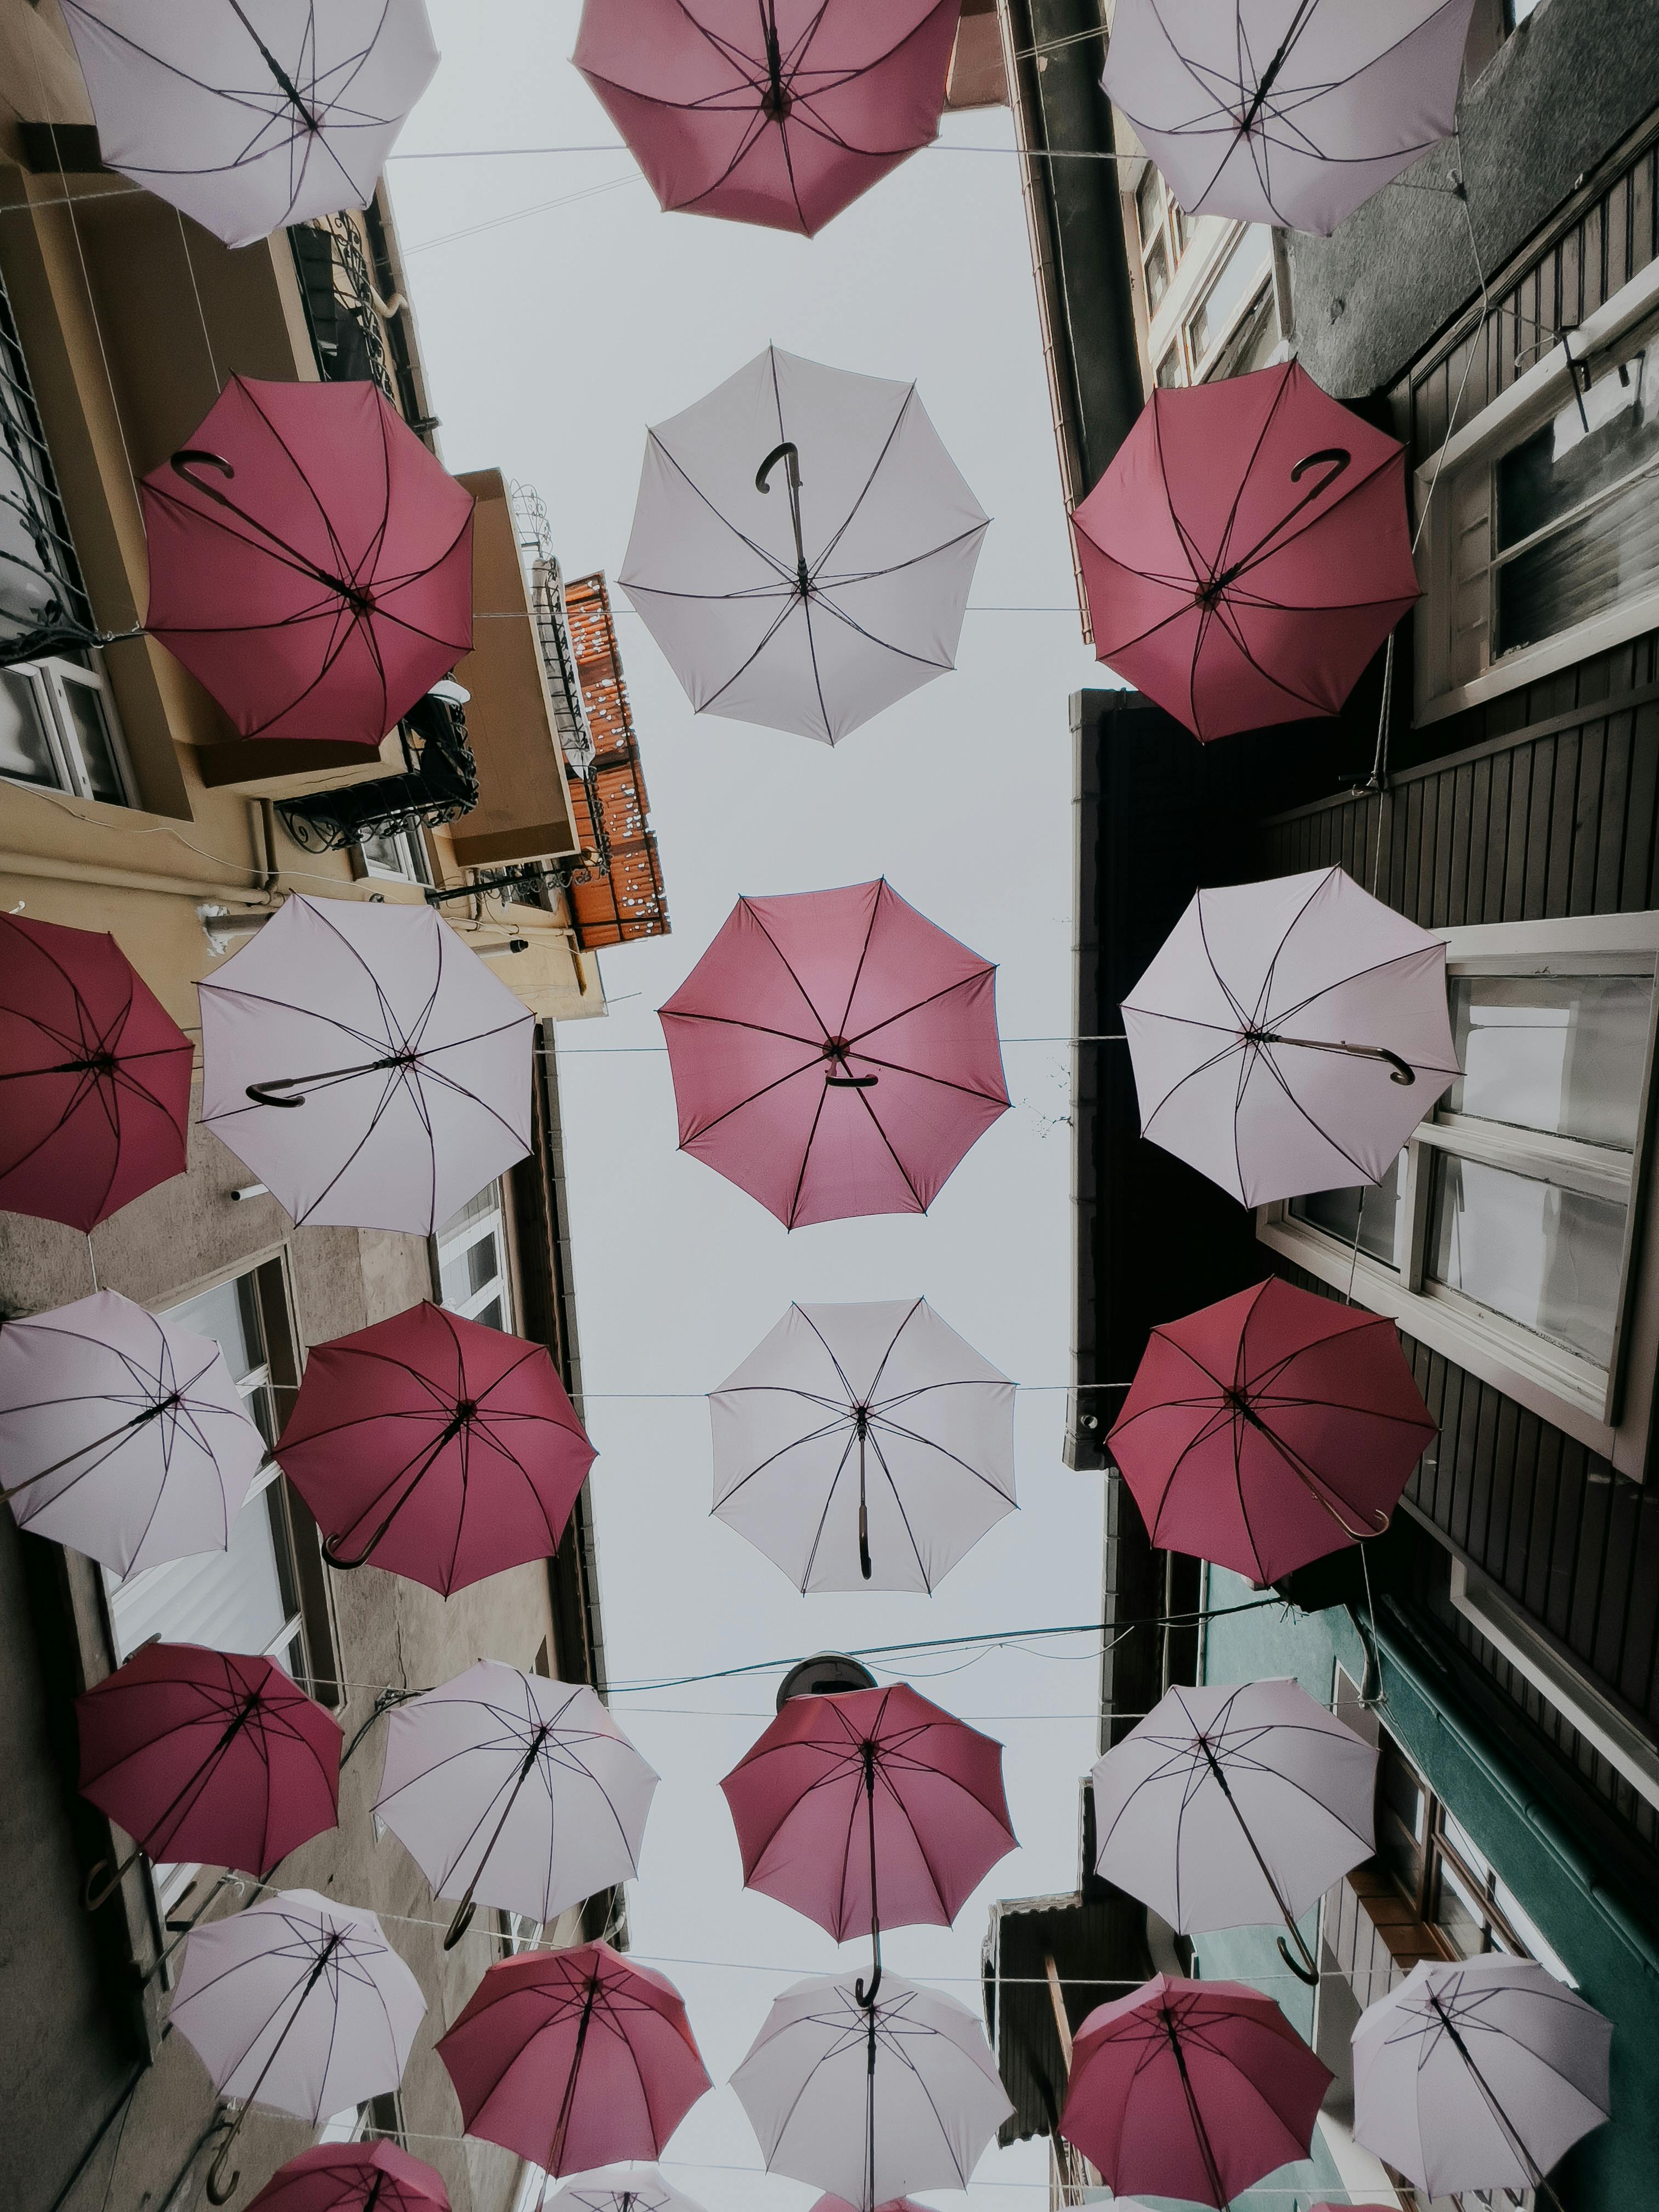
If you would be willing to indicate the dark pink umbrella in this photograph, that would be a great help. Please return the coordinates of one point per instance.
(774, 111)
(353, 2177)
(436, 1448)
(1192, 2090)
(210, 1755)
(310, 561)
(834, 1053)
(870, 1808)
(1269, 1429)
(893, 2205)
(1247, 551)
(94, 1077)
(575, 2058)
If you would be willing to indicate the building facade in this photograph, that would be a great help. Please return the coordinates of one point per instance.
(1498, 311)
(128, 804)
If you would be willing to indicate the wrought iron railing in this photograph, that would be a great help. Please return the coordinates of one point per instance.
(44, 607)
(439, 784)
(353, 310)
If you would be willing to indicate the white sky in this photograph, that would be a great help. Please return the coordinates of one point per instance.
(551, 340)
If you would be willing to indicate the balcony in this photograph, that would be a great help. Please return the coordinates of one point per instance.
(355, 308)
(439, 783)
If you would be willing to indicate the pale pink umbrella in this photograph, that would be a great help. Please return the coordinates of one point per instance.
(834, 1053)
(773, 112)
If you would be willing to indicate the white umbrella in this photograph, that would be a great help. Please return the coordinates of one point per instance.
(864, 1446)
(366, 1064)
(519, 1792)
(251, 114)
(870, 2102)
(297, 2002)
(1289, 111)
(632, 2186)
(1233, 1807)
(1290, 1035)
(121, 1435)
(813, 611)
(1479, 2074)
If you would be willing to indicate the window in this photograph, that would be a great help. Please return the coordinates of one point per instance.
(1503, 1236)
(398, 853)
(1162, 237)
(472, 1264)
(377, 2119)
(1236, 286)
(1543, 539)
(58, 731)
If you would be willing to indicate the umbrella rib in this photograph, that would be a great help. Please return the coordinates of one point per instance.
(794, 1444)
(749, 907)
(785, 575)
(841, 1375)
(823, 1516)
(961, 983)
(864, 954)
(921, 659)
(875, 1118)
(806, 1156)
(915, 1437)
(864, 491)
(881, 1367)
(772, 629)
(916, 1549)
(733, 1022)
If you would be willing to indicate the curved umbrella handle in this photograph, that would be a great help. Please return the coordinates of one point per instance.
(96, 1893)
(260, 1092)
(1339, 457)
(461, 1921)
(1403, 1071)
(331, 1552)
(222, 2187)
(181, 465)
(787, 451)
(1307, 1974)
(867, 1997)
(852, 1082)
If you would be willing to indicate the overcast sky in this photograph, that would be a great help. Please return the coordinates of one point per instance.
(553, 334)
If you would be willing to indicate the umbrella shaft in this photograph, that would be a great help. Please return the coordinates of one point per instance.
(557, 2152)
(138, 1421)
(1201, 2133)
(1270, 74)
(1534, 2171)
(1278, 1896)
(1402, 1070)
(289, 90)
(463, 1914)
(258, 1091)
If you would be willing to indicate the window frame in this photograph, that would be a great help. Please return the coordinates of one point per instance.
(450, 1243)
(1531, 402)
(1170, 231)
(1198, 364)
(1609, 1411)
(48, 677)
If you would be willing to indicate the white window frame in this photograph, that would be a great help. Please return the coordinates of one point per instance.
(50, 678)
(415, 870)
(1173, 230)
(1197, 363)
(450, 1247)
(1531, 401)
(1608, 1410)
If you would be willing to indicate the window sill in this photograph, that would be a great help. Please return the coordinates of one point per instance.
(1629, 619)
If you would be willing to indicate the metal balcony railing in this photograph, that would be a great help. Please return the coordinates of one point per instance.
(440, 783)
(355, 314)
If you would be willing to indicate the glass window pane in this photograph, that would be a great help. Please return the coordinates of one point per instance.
(490, 1316)
(1157, 277)
(25, 747)
(97, 744)
(1375, 1208)
(231, 1600)
(1458, 1913)
(1240, 275)
(1546, 1257)
(1149, 200)
(229, 1314)
(482, 1263)
(1565, 1054)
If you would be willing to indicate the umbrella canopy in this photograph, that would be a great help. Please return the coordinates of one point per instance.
(94, 1077)
(298, 2002)
(251, 118)
(1247, 551)
(632, 2186)
(1235, 1806)
(1270, 1428)
(121, 1435)
(835, 1055)
(1290, 1035)
(864, 1446)
(1192, 2090)
(355, 2177)
(310, 561)
(437, 1447)
(869, 2101)
(521, 1792)
(840, 2204)
(780, 115)
(870, 1808)
(215, 1756)
(1287, 111)
(1479, 2074)
(366, 1064)
(575, 2058)
(813, 611)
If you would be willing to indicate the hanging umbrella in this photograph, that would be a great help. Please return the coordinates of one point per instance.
(252, 119)
(870, 2100)
(861, 1434)
(1270, 1428)
(94, 1077)
(310, 561)
(812, 612)
(897, 2204)
(366, 1064)
(1290, 1035)
(1233, 1807)
(779, 115)
(1286, 112)
(436, 1448)
(1479, 2074)
(870, 1808)
(298, 2002)
(1247, 551)
(121, 1435)
(1192, 2090)
(354, 2177)
(215, 1756)
(516, 1790)
(632, 2186)
(835, 1055)
(575, 2058)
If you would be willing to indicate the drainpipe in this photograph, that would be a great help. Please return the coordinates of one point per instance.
(46, 868)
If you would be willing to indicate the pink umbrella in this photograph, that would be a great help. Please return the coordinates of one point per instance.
(869, 1807)
(575, 2058)
(1269, 1429)
(834, 1053)
(310, 561)
(436, 1448)
(1247, 551)
(1192, 2090)
(779, 113)
(354, 2177)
